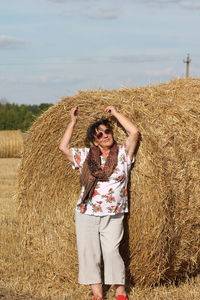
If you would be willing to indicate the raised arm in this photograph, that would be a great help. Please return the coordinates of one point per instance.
(131, 129)
(65, 141)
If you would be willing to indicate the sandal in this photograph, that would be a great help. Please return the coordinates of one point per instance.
(121, 297)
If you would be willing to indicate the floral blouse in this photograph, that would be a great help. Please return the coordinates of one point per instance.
(109, 197)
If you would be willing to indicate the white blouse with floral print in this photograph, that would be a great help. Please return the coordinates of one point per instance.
(109, 197)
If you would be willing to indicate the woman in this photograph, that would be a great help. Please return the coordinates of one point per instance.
(104, 169)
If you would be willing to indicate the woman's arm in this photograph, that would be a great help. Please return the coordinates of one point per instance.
(131, 129)
(65, 141)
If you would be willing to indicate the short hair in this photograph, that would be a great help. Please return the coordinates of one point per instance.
(91, 131)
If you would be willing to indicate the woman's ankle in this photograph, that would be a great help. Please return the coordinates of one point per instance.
(120, 290)
(97, 290)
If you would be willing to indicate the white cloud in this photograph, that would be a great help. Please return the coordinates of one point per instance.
(190, 4)
(156, 2)
(138, 58)
(71, 1)
(160, 1)
(43, 79)
(93, 9)
(158, 73)
(9, 42)
(195, 71)
(194, 4)
(58, 1)
(105, 14)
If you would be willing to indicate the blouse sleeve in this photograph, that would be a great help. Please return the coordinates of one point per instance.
(79, 156)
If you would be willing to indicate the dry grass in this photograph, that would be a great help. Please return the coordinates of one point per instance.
(162, 232)
(8, 185)
(8, 217)
(11, 143)
(11, 282)
(162, 236)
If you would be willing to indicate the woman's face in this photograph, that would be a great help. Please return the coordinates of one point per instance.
(106, 140)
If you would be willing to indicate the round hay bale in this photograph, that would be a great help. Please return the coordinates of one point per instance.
(11, 143)
(163, 191)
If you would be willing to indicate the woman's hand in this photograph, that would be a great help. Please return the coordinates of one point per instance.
(131, 129)
(74, 114)
(111, 109)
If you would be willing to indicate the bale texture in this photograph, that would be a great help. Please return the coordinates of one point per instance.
(11, 143)
(161, 240)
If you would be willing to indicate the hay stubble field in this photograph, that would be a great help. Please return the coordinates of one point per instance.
(10, 240)
(11, 283)
(38, 257)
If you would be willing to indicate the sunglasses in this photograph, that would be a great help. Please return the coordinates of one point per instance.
(100, 134)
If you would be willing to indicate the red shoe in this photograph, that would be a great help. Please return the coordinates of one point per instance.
(96, 298)
(121, 297)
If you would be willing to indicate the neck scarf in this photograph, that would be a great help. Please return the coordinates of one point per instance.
(93, 171)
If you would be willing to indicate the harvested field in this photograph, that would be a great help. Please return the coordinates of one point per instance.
(8, 187)
(162, 238)
(11, 143)
(11, 280)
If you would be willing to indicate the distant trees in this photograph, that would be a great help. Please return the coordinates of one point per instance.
(3, 100)
(15, 116)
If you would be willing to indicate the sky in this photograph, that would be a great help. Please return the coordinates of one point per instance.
(50, 49)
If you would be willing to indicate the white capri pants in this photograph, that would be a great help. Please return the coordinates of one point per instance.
(97, 237)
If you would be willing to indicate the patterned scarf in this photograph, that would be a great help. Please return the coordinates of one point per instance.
(93, 171)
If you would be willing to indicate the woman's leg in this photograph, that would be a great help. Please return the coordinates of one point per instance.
(120, 290)
(111, 233)
(89, 251)
(97, 290)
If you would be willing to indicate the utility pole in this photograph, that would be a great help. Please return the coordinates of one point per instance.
(187, 61)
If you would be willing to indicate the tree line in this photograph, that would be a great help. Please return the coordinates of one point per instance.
(20, 116)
